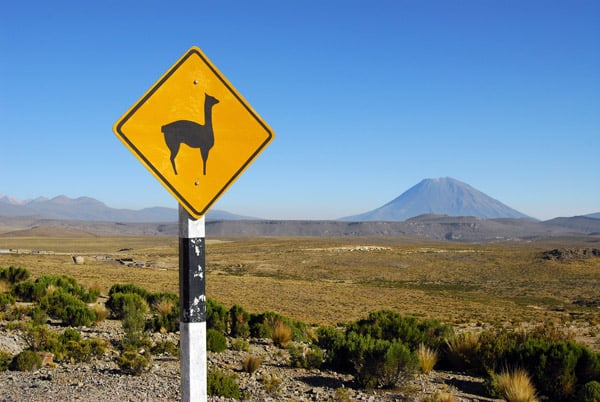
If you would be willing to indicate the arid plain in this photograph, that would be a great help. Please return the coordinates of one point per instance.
(324, 280)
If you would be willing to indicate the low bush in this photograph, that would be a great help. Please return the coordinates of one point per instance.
(166, 348)
(27, 360)
(5, 359)
(116, 303)
(48, 284)
(305, 356)
(271, 383)
(38, 315)
(239, 344)
(39, 337)
(68, 308)
(215, 341)
(263, 325)
(590, 392)
(239, 320)
(6, 300)
(162, 302)
(14, 274)
(220, 384)
(133, 362)
(167, 317)
(217, 316)
(390, 325)
(128, 288)
(558, 367)
(133, 313)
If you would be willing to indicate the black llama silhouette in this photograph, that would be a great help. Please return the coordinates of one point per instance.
(192, 134)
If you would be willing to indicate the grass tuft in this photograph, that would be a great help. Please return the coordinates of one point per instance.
(515, 386)
(427, 358)
(282, 334)
(251, 363)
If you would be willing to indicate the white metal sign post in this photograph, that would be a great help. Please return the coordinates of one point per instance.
(192, 302)
(196, 134)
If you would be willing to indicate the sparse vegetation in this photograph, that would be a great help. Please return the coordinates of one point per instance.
(5, 359)
(479, 290)
(133, 362)
(215, 341)
(306, 356)
(27, 360)
(220, 384)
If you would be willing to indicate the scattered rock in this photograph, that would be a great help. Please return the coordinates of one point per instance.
(567, 254)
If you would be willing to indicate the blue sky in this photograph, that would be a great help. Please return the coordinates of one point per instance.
(366, 98)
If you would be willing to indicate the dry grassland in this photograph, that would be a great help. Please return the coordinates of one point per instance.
(331, 280)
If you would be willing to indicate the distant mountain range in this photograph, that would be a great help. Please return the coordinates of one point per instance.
(90, 209)
(444, 196)
(442, 208)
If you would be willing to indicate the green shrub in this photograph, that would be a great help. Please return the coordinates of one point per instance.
(378, 362)
(552, 366)
(68, 308)
(6, 300)
(133, 322)
(27, 360)
(217, 316)
(26, 291)
(239, 322)
(38, 315)
(48, 284)
(239, 344)
(590, 392)
(220, 384)
(165, 347)
(305, 356)
(69, 334)
(39, 337)
(78, 316)
(132, 362)
(118, 300)
(334, 343)
(155, 299)
(215, 341)
(264, 325)
(78, 351)
(5, 359)
(16, 312)
(82, 350)
(166, 318)
(128, 288)
(389, 325)
(14, 274)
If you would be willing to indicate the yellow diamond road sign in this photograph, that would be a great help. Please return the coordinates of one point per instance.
(194, 132)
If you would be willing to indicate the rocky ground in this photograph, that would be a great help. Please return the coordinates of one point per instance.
(275, 380)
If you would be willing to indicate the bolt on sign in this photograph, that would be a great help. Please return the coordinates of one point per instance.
(194, 132)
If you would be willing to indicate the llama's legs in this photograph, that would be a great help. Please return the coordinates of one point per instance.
(173, 156)
(204, 159)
